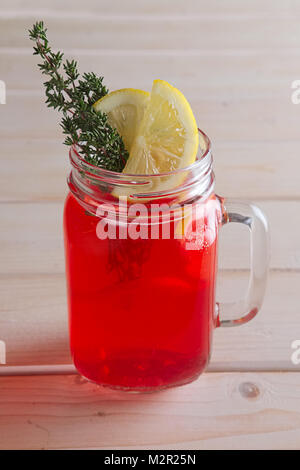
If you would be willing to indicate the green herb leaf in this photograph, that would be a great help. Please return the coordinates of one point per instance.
(97, 141)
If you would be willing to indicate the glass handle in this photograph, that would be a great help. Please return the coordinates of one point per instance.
(253, 217)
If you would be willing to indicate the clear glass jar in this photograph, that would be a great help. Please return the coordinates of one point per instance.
(141, 263)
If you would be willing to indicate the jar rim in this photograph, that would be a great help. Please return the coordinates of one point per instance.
(204, 145)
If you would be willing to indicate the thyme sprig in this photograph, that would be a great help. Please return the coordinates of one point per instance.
(98, 142)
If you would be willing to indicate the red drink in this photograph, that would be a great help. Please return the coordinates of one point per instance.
(142, 308)
(141, 311)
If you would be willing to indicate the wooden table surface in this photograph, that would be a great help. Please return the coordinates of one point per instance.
(235, 61)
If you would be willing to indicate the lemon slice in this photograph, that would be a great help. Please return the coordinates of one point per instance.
(125, 110)
(167, 138)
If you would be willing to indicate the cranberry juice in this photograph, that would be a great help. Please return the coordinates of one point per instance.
(141, 311)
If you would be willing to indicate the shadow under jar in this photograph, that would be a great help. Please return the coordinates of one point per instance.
(141, 263)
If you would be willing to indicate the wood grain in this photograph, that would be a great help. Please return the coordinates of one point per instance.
(34, 320)
(245, 410)
(174, 8)
(266, 119)
(264, 343)
(31, 239)
(235, 62)
(33, 323)
(246, 170)
(196, 31)
(213, 75)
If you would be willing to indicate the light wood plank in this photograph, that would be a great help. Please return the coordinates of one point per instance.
(33, 323)
(247, 170)
(33, 319)
(284, 226)
(264, 343)
(225, 411)
(31, 239)
(213, 32)
(217, 8)
(202, 74)
(228, 120)
(270, 8)
(256, 170)
(38, 169)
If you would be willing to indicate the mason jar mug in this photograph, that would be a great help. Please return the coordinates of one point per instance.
(141, 265)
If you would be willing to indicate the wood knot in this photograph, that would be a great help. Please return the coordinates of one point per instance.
(249, 390)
